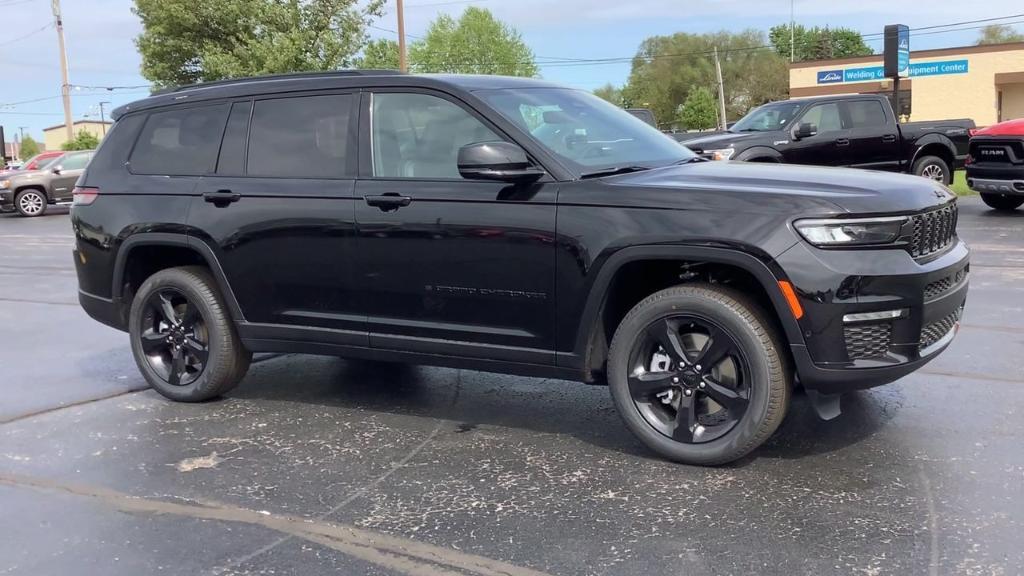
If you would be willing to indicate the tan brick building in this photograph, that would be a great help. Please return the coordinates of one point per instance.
(985, 83)
(54, 136)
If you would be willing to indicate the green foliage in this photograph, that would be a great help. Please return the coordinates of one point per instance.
(999, 34)
(667, 68)
(818, 43)
(610, 93)
(28, 148)
(83, 141)
(381, 54)
(187, 41)
(476, 43)
(700, 112)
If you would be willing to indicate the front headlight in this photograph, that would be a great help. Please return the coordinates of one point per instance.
(721, 153)
(5, 183)
(851, 232)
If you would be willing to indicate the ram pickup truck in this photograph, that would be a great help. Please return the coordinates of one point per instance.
(995, 165)
(858, 131)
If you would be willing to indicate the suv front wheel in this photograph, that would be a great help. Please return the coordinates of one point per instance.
(182, 337)
(697, 374)
(30, 202)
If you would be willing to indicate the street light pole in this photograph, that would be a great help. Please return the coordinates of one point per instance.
(721, 92)
(403, 65)
(103, 119)
(65, 87)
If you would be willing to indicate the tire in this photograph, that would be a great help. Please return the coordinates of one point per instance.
(1002, 201)
(766, 383)
(202, 330)
(933, 168)
(30, 203)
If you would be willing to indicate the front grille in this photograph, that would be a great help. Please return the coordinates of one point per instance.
(867, 340)
(933, 231)
(997, 150)
(934, 332)
(943, 285)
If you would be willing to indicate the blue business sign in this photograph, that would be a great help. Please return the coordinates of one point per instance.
(869, 73)
(903, 53)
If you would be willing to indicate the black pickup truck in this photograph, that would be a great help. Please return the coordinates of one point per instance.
(859, 131)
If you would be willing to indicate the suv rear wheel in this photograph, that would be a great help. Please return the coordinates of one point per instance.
(182, 337)
(30, 202)
(1002, 201)
(697, 374)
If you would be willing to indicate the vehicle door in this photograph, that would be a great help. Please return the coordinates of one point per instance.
(830, 146)
(449, 265)
(277, 211)
(66, 173)
(874, 138)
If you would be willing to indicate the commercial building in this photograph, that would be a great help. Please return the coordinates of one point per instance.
(984, 83)
(54, 136)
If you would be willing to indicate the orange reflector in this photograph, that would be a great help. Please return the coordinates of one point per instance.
(791, 299)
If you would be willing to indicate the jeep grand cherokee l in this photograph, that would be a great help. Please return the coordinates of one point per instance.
(506, 225)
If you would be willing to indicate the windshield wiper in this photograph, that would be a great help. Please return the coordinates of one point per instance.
(613, 171)
(691, 160)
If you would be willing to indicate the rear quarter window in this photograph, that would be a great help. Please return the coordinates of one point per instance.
(180, 142)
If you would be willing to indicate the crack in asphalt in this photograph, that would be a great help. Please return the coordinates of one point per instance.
(72, 405)
(396, 553)
(30, 301)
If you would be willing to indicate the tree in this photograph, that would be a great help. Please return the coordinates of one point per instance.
(999, 34)
(700, 110)
(188, 41)
(818, 43)
(476, 43)
(610, 93)
(667, 68)
(83, 141)
(379, 54)
(28, 148)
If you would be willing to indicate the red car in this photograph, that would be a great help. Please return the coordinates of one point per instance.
(36, 162)
(995, 164)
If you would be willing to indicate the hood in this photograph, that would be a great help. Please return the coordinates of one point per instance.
(720, 140)
(1008, 128)
(762, 187)
(24, 175)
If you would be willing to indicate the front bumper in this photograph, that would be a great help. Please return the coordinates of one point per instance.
(839, 352)
(996, 178)
(6, 200)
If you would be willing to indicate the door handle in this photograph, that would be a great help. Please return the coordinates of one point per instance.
(221, 198)
(388, 201)
(843, 142)
(889, 138)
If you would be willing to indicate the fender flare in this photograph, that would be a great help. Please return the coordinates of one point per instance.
(928, 140)
(743, 260)
(760, 152)
(181, 241)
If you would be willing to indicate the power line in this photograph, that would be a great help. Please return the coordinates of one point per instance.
(19, 38)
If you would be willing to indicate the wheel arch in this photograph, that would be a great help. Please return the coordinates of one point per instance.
(935, 145)
(37, 187)
(594, 334)
(760, 154)
(174, 250)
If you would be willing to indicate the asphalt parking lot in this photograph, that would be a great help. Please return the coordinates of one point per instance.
(319, 465)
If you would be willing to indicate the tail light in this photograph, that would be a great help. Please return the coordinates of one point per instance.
(84, 195)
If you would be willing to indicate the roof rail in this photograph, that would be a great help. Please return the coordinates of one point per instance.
(284, 76)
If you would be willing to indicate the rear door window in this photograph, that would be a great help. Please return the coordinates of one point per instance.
(180, 142)
(301, 137)
(866, 114)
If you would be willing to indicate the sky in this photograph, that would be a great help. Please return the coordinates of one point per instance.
(100, 39)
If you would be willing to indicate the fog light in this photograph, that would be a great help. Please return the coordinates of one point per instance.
(872, 316)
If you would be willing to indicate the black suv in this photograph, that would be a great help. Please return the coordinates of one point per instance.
(506, 225)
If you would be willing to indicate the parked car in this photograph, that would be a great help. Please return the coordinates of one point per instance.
(507, 225)
(859, 131)
(644, 114)
(31, 191)
(995, 166)
(34, 163)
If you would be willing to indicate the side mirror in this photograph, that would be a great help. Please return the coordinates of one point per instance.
(501, 161)
(57, 169)
(805, 130)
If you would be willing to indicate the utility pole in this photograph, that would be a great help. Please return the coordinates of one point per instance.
(403, 66)
(721, 92)
(103, 119)
(65, 88)
(792, 32)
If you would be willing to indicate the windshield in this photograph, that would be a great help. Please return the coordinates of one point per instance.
(584, 130)
(768, 118)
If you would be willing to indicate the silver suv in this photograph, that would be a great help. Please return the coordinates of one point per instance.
(29, 192)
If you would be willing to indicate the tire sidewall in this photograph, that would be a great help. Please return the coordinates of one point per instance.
(186, 284)
(922, 163)
(23, 193)
(743, 437)
(1002, 201)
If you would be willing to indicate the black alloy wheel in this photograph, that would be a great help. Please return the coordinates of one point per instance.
(688, 378)
(174, 337)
